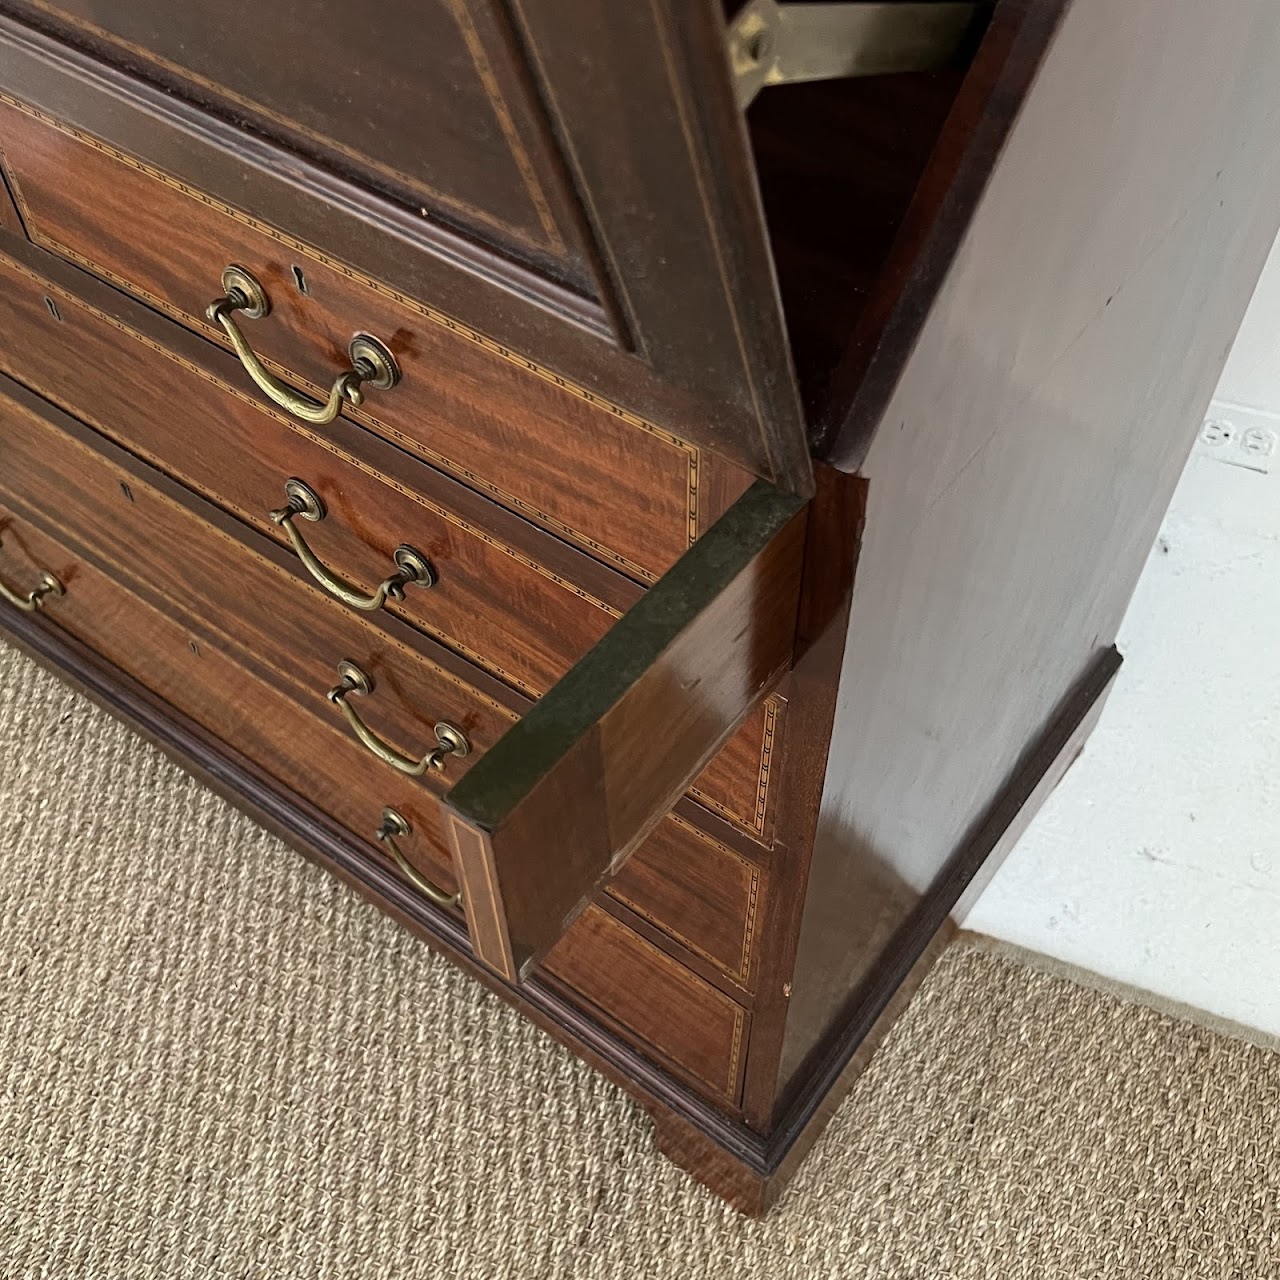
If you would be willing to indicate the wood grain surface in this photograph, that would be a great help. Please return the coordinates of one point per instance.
(701, 894)
(251, 595)
(465, 403)
(689, 333)
(654, 1002)
(1029, 450)
(510, 602)
(569, 792)
(645, 995)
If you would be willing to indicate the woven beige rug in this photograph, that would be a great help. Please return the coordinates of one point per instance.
(217, 1061)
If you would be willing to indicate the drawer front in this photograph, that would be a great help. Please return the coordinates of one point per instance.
(568, 789)
(654, 1002)
(629, 492)
(740, 783)
(513, 601)
(496, 600)
(699, 892)
(634, 987)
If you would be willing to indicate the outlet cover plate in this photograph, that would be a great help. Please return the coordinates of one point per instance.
(1241, 437)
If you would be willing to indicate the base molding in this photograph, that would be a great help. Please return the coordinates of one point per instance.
(748, 1169)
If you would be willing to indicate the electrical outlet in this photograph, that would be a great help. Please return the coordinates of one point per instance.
(1215, 433)
(1241, 437)
(1258, 442)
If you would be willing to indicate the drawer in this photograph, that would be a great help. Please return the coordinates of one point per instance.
(631, 493)
(513, 601)
(569, 788)
(510, 598)
(625, 981)
(699, 892)
(228, 608)
(653, 1001)
(740, 783)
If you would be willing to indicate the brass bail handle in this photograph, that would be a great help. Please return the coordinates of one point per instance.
(46, 586)
(354, 682)
(395, 824)
(371, 362)
(412, 567)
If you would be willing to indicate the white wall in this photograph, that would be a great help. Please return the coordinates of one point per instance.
(1252, 375)
(1157, 861)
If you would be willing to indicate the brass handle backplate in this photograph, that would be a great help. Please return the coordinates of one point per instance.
(356, 682)
(412, 567)
(395, 824)
(46, 585)
(371, 362)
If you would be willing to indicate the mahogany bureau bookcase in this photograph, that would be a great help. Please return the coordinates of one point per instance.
(644, 490)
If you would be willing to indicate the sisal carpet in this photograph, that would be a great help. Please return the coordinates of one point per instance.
(215, 1061)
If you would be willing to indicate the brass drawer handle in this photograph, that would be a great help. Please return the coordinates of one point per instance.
(46, 586)
(371, 362)
(395, 824)
(355, 681)
(411, 566)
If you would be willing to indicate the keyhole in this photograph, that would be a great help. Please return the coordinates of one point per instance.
(53, 308)
(299, 279)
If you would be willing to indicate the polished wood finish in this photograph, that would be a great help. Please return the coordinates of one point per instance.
(1008, 285)
(643, 994)
(1018, 475)
(570, 791)
(688, 333)
(741, 782)
(143, 531)
(700, 892)
(511, 600)
(256, 608)
(518, 604)
(207, 680)
(466, 403)
(654, 1002)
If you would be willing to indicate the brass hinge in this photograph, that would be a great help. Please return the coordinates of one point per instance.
(772, 43)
